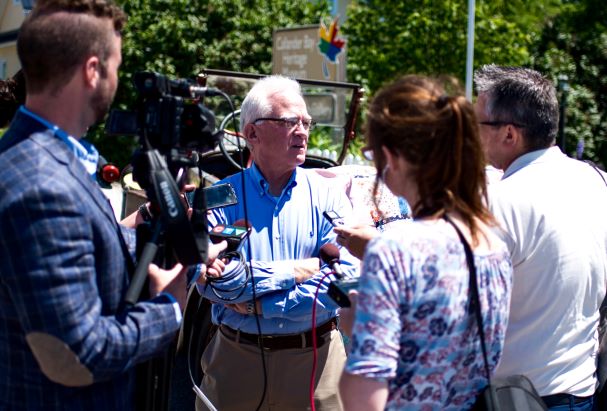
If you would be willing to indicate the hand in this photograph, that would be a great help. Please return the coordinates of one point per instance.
(187, 188)
(134, 219)
(355, 238)
(171, 281)
(305, 268)
(214, 266)
(347, 315)
(243, 308)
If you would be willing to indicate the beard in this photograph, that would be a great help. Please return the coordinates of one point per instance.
(101, 101)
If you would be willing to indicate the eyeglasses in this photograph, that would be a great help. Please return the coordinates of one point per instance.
(367, 153)
(290, 122)
(501, 123)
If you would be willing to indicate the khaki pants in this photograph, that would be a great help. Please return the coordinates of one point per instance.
(233, 376)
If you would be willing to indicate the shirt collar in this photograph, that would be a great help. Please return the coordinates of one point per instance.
(531, 157)
(263, 186)
(86, 153)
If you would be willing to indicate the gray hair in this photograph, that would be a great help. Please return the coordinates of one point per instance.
(258, 101)
(521, 96)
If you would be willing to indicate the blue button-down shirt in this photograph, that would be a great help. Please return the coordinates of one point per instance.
(285, 229)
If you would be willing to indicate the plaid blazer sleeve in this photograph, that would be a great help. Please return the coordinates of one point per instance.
(64, 269)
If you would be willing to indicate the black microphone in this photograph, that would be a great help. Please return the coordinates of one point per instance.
(338, 289)
(329, 254)
(184, 88)
(151, 84)
(199, 91)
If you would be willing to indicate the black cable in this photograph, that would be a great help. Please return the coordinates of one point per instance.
(189, 363)
(249, 254)
(250, 271)
(314, 342)
(247, 264)
(212, 281)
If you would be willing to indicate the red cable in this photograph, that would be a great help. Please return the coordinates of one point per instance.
(314, 347)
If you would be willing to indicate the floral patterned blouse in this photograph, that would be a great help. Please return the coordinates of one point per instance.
(412, 326)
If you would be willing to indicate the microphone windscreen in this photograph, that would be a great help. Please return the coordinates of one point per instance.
(110, 173)
(107, 172)
(329, 252)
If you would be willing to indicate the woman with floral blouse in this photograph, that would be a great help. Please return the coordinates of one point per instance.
(414, 342)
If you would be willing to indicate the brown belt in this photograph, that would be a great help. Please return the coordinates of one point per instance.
(281, 342)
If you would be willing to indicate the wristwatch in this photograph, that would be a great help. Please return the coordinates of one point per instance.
(144, 212)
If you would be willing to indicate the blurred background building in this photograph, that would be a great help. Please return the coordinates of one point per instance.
(12, 13)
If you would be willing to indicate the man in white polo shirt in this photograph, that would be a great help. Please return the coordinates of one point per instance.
(552, 210)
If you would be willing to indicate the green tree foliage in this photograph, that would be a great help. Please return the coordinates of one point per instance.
(390, 38)
(178, 38)
(559, 38)
(574, 45)
(387, 39)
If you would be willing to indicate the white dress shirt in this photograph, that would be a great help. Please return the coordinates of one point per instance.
(554, 213)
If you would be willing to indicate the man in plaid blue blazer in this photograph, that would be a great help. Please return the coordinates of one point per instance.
(66, 342)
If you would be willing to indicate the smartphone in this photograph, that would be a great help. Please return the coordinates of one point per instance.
(220, 195)
(234, 235)
(338, 290)
(335, 219)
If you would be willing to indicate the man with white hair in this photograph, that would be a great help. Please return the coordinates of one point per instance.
(264, 347)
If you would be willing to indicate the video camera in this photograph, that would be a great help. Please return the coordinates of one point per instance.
(170, 114)
(173, 127)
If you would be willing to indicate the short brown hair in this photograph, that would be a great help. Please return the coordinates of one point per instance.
(59, 35)
(438, 135)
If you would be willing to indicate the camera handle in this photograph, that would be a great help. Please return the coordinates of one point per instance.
(151, 172)
(141, 271)
(187, 239)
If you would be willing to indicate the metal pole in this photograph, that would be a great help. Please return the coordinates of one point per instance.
(470, 48)
(563, 86)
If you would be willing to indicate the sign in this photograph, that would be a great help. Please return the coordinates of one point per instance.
(330, 45)
(309, 52)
